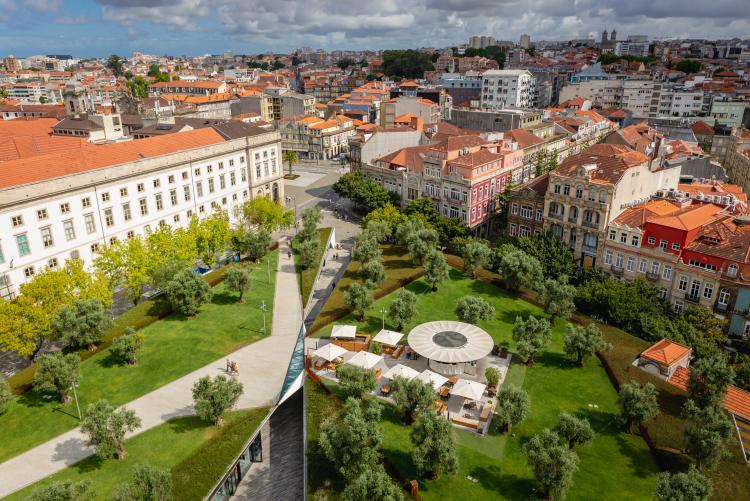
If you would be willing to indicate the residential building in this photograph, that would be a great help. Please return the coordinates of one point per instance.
(197, 88)
(526, 207)
(495, 120)
(729, 113)
(507, 88)
(414, 106)
(737, 162)
(317, 138)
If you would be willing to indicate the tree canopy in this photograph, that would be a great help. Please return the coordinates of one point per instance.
(406, 63)
(583, 341)
(214, 397)
(266, 214)
(358, 298)
(106, 428)
(81, 324)
(434, 448)
(56, 373)
(513, 406)
(573, 430)
(412, 397)
(637, 403)
(531, 335)
(354, 381)
(553, 464)
(436, 270)
(472, 309)
(186, 292)
(684, 486)
(403, 308)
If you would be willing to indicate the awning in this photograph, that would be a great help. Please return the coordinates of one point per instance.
(344, 331)
(433, 378)
(390, 338)
(329, 352)
(400, 370)
(468, 389)
(450, 342)
(365, 360)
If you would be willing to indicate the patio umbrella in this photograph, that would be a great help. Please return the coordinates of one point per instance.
(344, 331)
(390, 338)
(400, 370)
(468, 389)
(365, 360)
(433, 378)
(329, 352)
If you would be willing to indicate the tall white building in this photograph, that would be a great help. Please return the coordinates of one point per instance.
(58, 206)
(503, 88)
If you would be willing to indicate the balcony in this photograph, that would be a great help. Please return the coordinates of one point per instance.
(573, 220)
(590, 224)
(555, 216)
(692, 299)
(723, 307)
(654, 277)
(591, 249)
(617, 270)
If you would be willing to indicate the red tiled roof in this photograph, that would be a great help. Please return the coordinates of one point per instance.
(612, 160)
(523, 137)
(690, 218)
(701, 128)
(736, 400)
(666, 352)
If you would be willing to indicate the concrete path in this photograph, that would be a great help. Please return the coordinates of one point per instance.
(262, 367)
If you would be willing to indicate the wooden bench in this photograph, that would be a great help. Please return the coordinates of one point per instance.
(397, 352)
(319, 364)
(486, 413)
(444, 392)
(462, 421)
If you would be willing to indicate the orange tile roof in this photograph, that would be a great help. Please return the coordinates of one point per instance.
(736, 400)
(690, 218)
(636, 217)
(92, 157)
(200, 84)
(666, 352)
(612, 161)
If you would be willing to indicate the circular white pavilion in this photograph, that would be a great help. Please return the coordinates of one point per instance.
(451, 348)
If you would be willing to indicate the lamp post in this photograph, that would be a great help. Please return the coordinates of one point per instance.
(75, 396)
(268, 269)
(263, 309)
(382, 315)
(292, 198)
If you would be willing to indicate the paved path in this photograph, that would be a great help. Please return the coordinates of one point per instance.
(262, 367)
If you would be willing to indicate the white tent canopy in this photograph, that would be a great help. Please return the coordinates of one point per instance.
(400, 370)
(365, 360)
(390, 338)
(433, 378)
(468, 389)
(344, 331)
(329, 352)
(450, 342)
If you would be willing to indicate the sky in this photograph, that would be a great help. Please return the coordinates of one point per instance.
(96, 28)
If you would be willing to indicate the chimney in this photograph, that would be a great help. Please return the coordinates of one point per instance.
(417, 123)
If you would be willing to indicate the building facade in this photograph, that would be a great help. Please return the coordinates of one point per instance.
(504, 88)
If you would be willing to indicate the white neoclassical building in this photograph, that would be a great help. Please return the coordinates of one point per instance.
(62, 205)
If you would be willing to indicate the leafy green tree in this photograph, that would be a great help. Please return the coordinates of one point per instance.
(147, 483)
(153, 70)
(164, 272)
(689, 66)
(557, 297)
(637, 403)
(186, 292)
(553, 464)
(452, 230)
(475, 255)
(56, 373)
(583, 341)
(115, 65)
(291, 158)
(573, 430)
(6, 396)
(513, 406)
(436, 270)
(706, 433)
(367, 195)
(238, 279)
(472, 310)
(310, 219)
(255, 244)
(518, 269)
(127, 346)
(403, 308)
(106, 428)
(64, 491)
(351, 442)
(685, 486)
(387, 214)
(366, 247)
(380, 231)
(344, 63)
(434, 447)
(309, 252)
(358, 298)
(552, 253)
(214, 397)
(212, 236)
(710, 327)
(81, 324)
(408, 63)
(354, 381)
(266, 214)
(423, 208)
(373, 484)
(138, 87)
(412, 397)
(709, 378)
(407, 229)
(421, 243)
(531, 335)
(492, 375)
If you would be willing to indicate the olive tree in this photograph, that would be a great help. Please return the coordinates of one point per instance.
(412, 397)
(309, 252)
(403, 308)
(553, 464)
(573, 430)
(706, 433)
(186, 292)
(64, 491)
(56, 373)
(147, 483)
(366, 247)
(472, 310)
(637, 403)
(475, 255)
(583, 341)
(686, 486)
(434, 447)
(214, 397)
(358, 298)
(373, 484)
(710, 376)
(373, 273)
(81, 324)
(531, 335)
(513, 406)
(106, 428)
(238, 279)
(354, 381)
(557, 298)
(126, 347)
(436, 270)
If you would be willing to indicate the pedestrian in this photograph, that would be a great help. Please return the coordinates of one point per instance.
(333, 285)
(324, 263)
(229, 367)
(289, 254)
(236, 368)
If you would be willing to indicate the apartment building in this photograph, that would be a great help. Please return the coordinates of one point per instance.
(590, 189)
(414, 106)
(316, 138)
(526, 207)
(737, 162)
(68, 203)
(504, 88)
(196, 88)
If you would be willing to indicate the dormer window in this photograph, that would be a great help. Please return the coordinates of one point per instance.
(732, 270)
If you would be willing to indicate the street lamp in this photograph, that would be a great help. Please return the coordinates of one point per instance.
(263, 309)
(292, 198)
(382, 314)
(75, 396)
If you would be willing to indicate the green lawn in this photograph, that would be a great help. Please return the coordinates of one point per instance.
(174, 346)
(321, 482)
(614, 463)
(167, 446)
(307, 276)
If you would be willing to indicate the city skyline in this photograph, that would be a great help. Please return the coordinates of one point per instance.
(96, 28)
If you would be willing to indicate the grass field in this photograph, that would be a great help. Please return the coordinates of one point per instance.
(173, 347)
(168, 446)
(614, 463)
(307, 276)
(321, 482)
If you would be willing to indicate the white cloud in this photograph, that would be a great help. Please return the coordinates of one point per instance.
(43, 5)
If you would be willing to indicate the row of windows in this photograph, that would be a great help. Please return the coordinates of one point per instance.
(593, 194)
(619, 261)
(635, 240)
(526, 211)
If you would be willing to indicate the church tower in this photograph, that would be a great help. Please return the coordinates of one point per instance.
(604, 38)
(75, 98)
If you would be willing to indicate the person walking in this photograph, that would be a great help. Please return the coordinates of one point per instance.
(333, 285)
(229, 367)
(289, 254)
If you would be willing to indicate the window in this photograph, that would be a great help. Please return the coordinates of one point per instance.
(732, 270)
(159, 201)
(557, 188)
(612, 234)
(682, 285)
(221, 165)
(655, 268)
(708, 290)
(186, 192)
(189, 213)
(512, 229)
(663, 244)
(618, 261)
(635, 240)
(197, 171)
(171, 179)
(642, 265)
(70, 232)
(123, 192)
(199, 188)
(144, 206)
(157, 183)
(41, 214)
(105, 196)
(242, 159)
(651, 240)
(623, 237)
(28, 272)
(130, 234)
(566, 189)
(109, 219)
(201, 209)
(662, 293)
(677, 306)
(147, 229)
(85, 202)
(675, 246)
(695, 288)
(94, 248)
(222, 182)
(173, 197)
(526, 211)
(211, 185)
(667, 273)
(746, 332)
(184, 175)
(514, 208)
(23, 244)
(47, 237)
(232, 179)
(64, 208)
(209, 169)
(126, 215)
(539, 213)
(141, 188)
(724, 297)
(90, 225)
(243, 175)
(579, 192)
(231, 162)
(176, 218)
(17, 221)
(74, 254)
(631, 263)
(52, 263)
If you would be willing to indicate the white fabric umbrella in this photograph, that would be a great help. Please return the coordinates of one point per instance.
(344, 331)
(468, 389)
(400, 370)
(365, 360)
(329, 352)
(433, 378)
(391, 338)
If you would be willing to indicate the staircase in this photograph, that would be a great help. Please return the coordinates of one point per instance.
(743, 431)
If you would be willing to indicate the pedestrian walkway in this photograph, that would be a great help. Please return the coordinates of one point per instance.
(262, 367)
